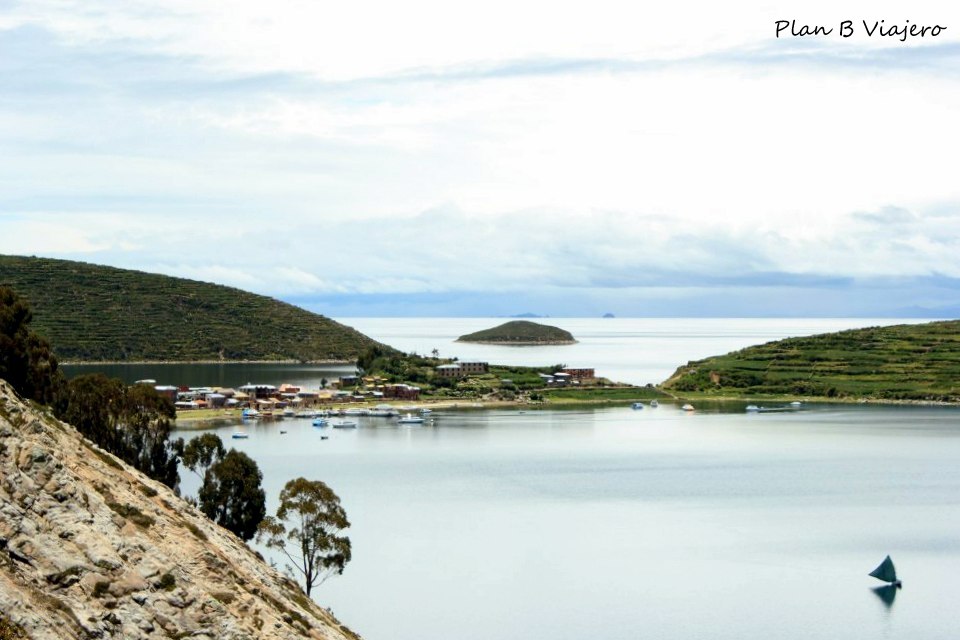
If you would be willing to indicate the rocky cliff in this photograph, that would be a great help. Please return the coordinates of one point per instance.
(91, 548)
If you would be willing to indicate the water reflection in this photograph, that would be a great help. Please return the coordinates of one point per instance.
(887, 594)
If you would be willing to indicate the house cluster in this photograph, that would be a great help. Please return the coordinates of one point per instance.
(267, 397)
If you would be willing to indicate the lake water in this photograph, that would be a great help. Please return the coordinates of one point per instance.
(622, 524)
(633, 350)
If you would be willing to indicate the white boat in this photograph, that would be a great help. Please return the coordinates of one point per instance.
(637, 405)
(344, 424)
(425, 411)
(289, 413)
(411, 419)
(687, 407)
(239, 435)
(795, 403)
(249, 413)
(752, 408)
(654, 404)
(319, 422)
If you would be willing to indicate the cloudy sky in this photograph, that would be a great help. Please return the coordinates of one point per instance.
(431, 157)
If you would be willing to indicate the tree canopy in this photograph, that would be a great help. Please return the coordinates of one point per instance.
(26, 359)
(231, 494)
(313, 543)
(133, 423)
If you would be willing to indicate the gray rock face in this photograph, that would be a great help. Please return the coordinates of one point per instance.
(72, 567)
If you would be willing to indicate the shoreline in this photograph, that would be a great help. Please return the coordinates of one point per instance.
(87, 363)
(198, 418)
(516, 343)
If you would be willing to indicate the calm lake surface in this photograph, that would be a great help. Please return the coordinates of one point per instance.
(621, 524)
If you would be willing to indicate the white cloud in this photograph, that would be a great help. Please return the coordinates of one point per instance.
(291, 147)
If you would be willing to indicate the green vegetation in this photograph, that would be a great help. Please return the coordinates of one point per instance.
(902, 362)
(133, 514)
(520, 332)
(26, 361)
(97, 313)
(316, 548)
(132, 423)
(231, 494)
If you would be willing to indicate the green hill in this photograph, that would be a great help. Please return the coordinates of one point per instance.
(902, 362)
(520, 332)
(97, 313)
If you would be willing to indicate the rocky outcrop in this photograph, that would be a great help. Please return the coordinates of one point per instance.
(91, 548)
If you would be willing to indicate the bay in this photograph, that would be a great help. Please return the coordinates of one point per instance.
(620, 524)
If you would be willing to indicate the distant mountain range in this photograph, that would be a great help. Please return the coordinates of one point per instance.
(104, 314)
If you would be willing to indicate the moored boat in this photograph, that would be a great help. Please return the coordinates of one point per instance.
(344, 424)
(637, 405)
(319, 422)
(410, 419)
(239, 435)
(687, 407)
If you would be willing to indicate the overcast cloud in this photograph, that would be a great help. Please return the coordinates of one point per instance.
(421, 157)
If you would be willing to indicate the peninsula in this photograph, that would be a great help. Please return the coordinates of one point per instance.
(520, 333)
(907, 362)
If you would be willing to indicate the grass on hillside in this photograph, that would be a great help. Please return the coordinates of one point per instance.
(97, 313)
(902, 362)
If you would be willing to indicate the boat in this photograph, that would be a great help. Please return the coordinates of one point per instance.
(425, 411)
(344, 424)
(289, 413)
(239, 435)
(886, 573)
(687, 407)
(637, 405)
(654, 404)
(249, 414)
(752, 408)
(324, 437)
(282, 431)
(795, 403)
(410, 419)
(319, 422)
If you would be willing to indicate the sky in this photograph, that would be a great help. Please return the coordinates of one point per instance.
(431, 158)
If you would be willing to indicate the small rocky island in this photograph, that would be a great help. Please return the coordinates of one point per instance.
(520, 333)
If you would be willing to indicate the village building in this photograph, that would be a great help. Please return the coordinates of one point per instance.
(580, 374)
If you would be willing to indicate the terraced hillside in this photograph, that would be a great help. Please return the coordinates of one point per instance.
(97, 313)
(902, 362)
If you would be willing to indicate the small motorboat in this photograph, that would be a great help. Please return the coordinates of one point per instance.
(249, 414)
(687, 407)
(636, 405)
(344, 424)
(239, 435)
(654, 404)
(410, 419)
(425, 411)
(324, 437)
(319, 422)
(282, 431)
(752, 408)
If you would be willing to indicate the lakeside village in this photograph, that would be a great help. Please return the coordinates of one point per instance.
(376, 395)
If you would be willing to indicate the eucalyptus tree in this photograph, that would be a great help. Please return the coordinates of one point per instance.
(307, 531)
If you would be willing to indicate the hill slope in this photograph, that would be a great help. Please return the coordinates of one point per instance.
(92, 548)
(901, 362)
(520, 332)
(97, 313)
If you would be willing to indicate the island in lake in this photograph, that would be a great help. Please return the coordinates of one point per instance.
(521, 333)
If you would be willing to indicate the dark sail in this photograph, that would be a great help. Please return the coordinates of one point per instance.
(885, 571)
